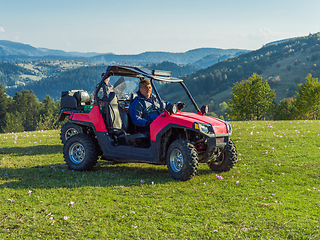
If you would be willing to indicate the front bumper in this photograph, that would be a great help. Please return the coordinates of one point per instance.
(215, 145)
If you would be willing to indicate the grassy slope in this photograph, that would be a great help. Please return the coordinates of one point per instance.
(49, 68)
(273, 192)
(287, 78)
(276, 63)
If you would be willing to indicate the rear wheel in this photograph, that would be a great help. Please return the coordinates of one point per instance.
(182, 160)
(80, 152)
(68, 130)
(227, 160)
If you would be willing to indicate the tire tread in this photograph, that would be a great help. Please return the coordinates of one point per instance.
(190, 159)
(228, 163)
(91, 156)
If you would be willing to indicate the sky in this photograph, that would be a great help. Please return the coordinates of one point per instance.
(136, 26)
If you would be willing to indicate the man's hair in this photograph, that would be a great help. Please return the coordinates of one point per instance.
(144, 82)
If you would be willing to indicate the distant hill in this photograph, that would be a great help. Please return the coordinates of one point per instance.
(13, 51)
(211, 59)
(13, 75)
(84, 78)
(284, 64)
(9, 73)
(189, 57)
(278, 41)
(75, 77)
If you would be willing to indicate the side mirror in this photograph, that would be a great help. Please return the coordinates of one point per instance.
(172, 108)
(204, 109)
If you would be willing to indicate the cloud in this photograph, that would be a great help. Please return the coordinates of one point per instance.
(2, 29)
(266, 32)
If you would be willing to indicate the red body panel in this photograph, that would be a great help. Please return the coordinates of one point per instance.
(185, 119)
(94, 116)
(218, 125)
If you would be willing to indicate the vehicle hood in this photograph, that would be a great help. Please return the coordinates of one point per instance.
(219, 126)
(185, 119)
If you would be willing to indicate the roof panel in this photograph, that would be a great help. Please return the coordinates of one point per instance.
(128, 71)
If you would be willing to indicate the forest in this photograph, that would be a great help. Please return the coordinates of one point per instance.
(252, 99)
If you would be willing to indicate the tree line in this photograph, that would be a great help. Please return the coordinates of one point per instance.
(24, 112)
(253, 99)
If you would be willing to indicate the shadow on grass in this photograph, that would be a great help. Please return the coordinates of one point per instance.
(33, 150)
(104, 174)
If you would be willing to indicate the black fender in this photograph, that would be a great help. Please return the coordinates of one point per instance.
(63, 113)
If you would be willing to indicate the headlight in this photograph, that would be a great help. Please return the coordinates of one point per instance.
(202, 127)
(229, 128)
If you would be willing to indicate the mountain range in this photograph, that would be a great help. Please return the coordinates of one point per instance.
(201, 57)
(195, 56)
(12, 51)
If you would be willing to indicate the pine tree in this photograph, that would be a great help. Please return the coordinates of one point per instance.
(27, 105)
(48, 114)
(13, 122)
(3, 107)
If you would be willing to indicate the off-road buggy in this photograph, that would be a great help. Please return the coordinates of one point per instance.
(102, 127)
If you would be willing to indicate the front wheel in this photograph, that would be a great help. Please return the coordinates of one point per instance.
(80, 152)
(182, 160)
(226, 160)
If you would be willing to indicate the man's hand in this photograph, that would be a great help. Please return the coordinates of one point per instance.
(148, 123)
(180, 105)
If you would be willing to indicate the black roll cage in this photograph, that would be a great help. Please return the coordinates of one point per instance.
(128, 71)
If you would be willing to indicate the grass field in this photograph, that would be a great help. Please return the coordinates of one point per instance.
(272, 193)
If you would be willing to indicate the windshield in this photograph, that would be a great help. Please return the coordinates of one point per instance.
(172, 92)
(124, 86)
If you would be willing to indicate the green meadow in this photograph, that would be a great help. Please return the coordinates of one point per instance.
(273, 192)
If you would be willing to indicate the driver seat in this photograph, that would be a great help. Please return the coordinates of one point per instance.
(118, 123)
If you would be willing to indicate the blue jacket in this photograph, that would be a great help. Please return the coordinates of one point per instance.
(144, 110)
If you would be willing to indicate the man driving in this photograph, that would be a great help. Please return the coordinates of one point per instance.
(146, 107)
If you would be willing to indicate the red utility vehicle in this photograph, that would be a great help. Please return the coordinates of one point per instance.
(178, 139)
